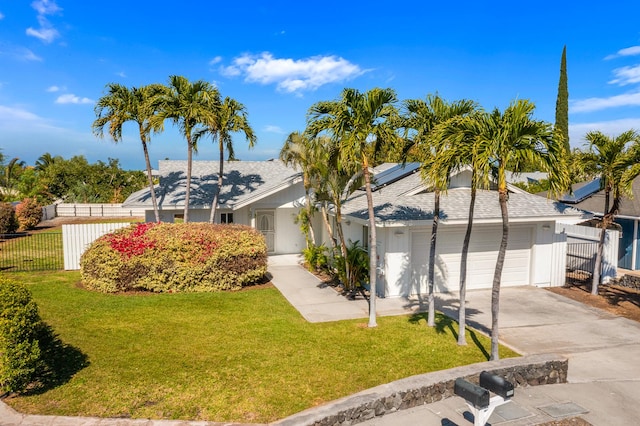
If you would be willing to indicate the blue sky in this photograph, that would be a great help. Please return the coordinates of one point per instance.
(278, 58)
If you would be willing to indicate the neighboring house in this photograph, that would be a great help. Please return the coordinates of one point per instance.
(588, 196)
(266, 195)
(404, 214)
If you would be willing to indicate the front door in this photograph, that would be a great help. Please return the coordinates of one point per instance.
(265, 221)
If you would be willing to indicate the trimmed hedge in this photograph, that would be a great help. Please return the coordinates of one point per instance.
(20, 354)
(29, 213)
(175, 257)
(8, 220)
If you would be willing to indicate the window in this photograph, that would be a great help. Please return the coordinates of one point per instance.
(226, 217)
(365, 237)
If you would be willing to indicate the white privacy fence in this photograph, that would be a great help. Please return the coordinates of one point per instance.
(90, 210)
(76, 239)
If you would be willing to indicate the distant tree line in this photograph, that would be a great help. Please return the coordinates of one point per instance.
(72, 180)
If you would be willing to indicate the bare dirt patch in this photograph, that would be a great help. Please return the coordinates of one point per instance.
(621, 301)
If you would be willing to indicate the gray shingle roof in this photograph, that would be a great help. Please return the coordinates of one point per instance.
(395, 203)
(244, 182)
(628, 206)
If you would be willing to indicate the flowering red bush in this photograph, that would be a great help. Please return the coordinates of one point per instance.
(165, 257)
(133, 243)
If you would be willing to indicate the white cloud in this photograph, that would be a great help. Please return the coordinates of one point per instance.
(19, 53)
(70, 98)
(628, 51)
(12, 114)
(121, 74)
(47, 33)
(53, 89)
(291, 75)
(610, 128)
(596, 104)
(215, 60)
(273, 129)
(46, 7)
(626, 75)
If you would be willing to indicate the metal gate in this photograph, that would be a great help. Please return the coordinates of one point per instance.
(581, 261)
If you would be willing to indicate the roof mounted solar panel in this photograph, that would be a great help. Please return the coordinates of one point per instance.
(582, 193)
(393, 174)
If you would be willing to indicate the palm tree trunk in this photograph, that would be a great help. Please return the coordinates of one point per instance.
(327, 225)
(152, 190)
(372, 246)
(187, 194)
(462, 314)
(431, 318)
(597, 268)
(495, 291)
(311, 235)
(216, 195)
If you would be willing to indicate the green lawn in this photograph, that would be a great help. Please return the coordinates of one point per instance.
(245, 357)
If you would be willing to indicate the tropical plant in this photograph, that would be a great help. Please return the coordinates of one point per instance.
(353, 269)
(121, 105)
(302, 153)
(615, 160)
(463, 153)
(231, 117)
(514, 138)
(422, 119)
(359, 123)
(189, 105)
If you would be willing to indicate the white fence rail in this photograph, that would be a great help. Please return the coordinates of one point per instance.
(586, 234)
(96, 210)
(559, 260)
(76, 239)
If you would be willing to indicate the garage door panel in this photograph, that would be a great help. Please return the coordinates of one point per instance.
(483, 254)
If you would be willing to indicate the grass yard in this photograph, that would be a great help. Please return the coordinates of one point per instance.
(246, 356)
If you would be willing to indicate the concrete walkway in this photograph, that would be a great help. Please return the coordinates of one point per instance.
(603, 352)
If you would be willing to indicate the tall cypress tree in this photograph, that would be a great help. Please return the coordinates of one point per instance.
(562, 102)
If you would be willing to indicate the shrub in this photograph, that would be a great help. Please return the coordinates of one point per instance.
(19, 346)
(29, 213)
(8, 221)
(165, 257)
(316, 257)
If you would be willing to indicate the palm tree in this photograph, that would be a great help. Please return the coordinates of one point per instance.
(44, 161)
(302, 152)
(359, 123)
(615, 160)
(120, 105)
(231, 117)
(514, 138)
(464, 153)
(422, 118)
(189, 105)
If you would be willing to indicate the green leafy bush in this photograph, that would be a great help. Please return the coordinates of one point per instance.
(19, 326)
(316, 257)
(29, 213)
(8, 221)
(172, 257)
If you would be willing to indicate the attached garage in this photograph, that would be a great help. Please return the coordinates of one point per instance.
(404, 217)
(483, 253)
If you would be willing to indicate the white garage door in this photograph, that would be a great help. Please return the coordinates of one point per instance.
(483, 253)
